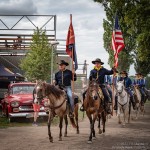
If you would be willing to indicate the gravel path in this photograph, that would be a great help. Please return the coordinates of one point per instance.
(135, 136)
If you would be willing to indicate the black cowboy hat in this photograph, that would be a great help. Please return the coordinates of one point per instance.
(123, 72)
(62, 62)
(138, 74)
(97, 60)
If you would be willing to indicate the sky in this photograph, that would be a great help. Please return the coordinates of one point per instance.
(87, 22)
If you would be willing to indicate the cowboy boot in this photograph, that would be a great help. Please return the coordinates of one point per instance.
(108, 108)
(133, 103)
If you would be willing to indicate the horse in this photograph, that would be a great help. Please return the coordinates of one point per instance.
(57, 103)
(92, 105)
(123, 102)
(137, 97)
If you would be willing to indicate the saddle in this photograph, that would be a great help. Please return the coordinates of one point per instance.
(100, 93)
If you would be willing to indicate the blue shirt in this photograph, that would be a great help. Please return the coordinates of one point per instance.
(140, 82)
(100, 74)
(108, 79)
(127, 81)
(64, 77)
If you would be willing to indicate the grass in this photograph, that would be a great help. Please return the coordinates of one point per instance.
(20, 122)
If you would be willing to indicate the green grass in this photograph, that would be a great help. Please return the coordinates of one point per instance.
(4, 123)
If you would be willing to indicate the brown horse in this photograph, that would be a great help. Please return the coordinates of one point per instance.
(57, 102)
(93, 105)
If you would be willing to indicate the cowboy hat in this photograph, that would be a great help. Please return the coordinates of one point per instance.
(97, 60)
(62, 62)
(138, 74)
(123, 72)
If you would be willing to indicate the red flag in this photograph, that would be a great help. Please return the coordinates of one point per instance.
(70, 44)
(117, 41)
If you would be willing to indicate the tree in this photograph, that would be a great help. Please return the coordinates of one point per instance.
(135, 23)
(37, 63)
(125, 56)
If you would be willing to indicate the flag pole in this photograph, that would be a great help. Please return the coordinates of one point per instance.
(72, 62)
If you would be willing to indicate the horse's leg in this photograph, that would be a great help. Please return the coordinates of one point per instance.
(95, 115)
(76, 117)
(99, 125)
(60, 126)
(90, 119)
(66, 124)
(104, 120)
(124, 117)
(49, 124)
(118, 114)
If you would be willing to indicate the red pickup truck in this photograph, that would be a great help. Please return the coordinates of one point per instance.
(18, 101)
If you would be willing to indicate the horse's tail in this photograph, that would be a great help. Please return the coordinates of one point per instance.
(72, 120)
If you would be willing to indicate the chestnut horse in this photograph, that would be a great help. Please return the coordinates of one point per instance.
(93, 105)
(57, 103)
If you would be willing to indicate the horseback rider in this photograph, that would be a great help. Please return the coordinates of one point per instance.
(139, 81)
(63, 79)
(127, 83)
(108, 85)
(99, 73)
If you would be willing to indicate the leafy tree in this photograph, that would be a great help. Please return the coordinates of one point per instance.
(125, 56)
(37, 63)
(134, 19)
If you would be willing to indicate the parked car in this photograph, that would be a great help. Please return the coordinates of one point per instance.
(18, 101)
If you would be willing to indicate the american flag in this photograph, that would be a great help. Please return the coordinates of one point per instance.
(117, 41)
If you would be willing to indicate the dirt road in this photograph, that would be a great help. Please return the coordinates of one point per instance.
(135, 136)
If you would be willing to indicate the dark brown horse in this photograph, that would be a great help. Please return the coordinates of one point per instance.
(57, 102)
(94, 108)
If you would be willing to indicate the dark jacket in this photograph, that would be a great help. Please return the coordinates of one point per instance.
(100, 74)
(66, 76)
(127, 81)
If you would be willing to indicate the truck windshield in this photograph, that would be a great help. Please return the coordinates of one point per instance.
(22, 89)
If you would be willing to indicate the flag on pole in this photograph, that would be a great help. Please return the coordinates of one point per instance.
(70, 44)
(117, 41)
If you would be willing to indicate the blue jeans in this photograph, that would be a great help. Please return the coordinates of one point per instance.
(129, 92)
(69, 93)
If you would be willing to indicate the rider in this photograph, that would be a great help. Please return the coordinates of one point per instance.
(63, 79)
(115, 78)
(99, 73)
(140, 83)
(128, 83)
(108, 84)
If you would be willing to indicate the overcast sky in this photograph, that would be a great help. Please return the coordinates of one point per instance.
(87, 21)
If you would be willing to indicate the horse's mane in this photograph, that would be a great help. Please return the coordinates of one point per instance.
(53, 90)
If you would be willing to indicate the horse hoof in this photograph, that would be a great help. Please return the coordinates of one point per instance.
(60, 139)
(119, 122)
(65, 135)
(123, 125)
(94, 138)
(51, 140)
(89, 142)
(78, 132)
(100, 131)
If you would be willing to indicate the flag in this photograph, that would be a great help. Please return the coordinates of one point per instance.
(117, 41)
(70, 44)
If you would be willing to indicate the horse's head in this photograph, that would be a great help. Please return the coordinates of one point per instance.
(120, 87)
(40, 90)
(93, 89)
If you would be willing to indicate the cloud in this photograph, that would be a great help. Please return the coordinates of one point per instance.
(17, 7)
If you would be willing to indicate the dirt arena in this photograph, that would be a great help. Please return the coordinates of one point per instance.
(135, 136)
